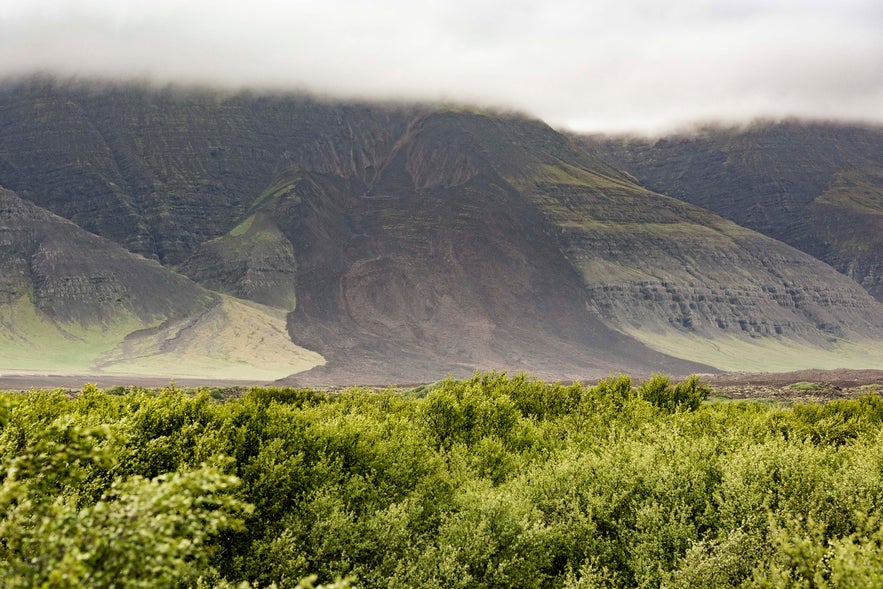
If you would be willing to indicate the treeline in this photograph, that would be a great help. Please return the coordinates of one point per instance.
(488, 482)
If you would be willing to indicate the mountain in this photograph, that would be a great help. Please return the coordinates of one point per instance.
(403, 243)
(73, 301)
(815, 186)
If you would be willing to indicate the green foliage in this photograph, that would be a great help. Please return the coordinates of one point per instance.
(424, 389)
(286, 396)
(803, 386)
(471, 410)
(140, 533)
(493, 481)
(686, 395)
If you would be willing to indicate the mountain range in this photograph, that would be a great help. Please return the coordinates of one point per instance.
(815, 186)
(272, 236)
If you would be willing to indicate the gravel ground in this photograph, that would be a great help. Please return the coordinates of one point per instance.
(800, 386)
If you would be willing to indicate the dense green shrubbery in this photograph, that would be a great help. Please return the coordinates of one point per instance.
(489, 482)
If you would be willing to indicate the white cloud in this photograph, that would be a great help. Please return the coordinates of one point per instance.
(601, 65)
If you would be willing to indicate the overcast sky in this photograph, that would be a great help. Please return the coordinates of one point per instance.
(604, 65)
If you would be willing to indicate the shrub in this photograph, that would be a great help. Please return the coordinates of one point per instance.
(686, 395)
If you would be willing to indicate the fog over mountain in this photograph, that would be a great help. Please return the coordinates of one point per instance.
(639, 66)
(347, 191)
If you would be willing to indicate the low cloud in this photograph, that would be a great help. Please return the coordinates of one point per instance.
(607, 65)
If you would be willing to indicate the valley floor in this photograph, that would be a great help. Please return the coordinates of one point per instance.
(801, 385)
(16, 380)
(789, 387)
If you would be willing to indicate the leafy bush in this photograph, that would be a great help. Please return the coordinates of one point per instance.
(686, 395)
(492, 481)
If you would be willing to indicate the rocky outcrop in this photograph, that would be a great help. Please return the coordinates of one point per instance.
(254, 261)
(163, 171)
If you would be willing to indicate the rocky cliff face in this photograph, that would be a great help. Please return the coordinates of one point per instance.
(436, 265)
(817, 187)
(408, 243)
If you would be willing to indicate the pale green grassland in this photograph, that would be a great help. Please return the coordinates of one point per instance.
(31, 341)
(232, 340)
(762, 354)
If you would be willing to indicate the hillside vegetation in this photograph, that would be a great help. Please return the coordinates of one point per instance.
(486, 482)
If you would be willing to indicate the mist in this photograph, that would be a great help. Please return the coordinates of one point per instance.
(606, 66)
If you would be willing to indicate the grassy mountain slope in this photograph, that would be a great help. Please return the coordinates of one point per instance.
(682, 279)
(72, 301)
(817, 187)
(233, 339)
(254, 261)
